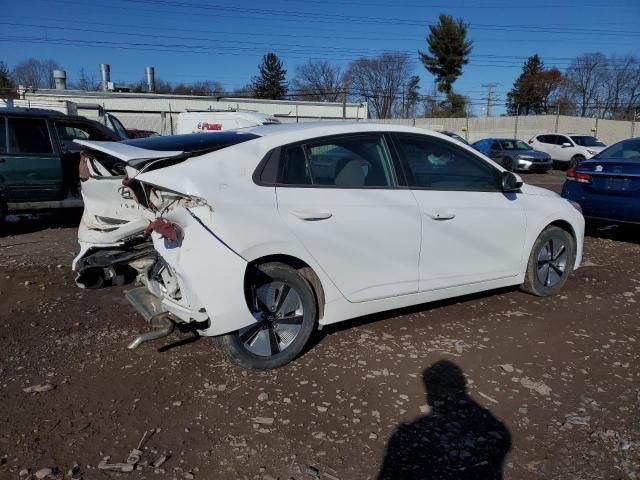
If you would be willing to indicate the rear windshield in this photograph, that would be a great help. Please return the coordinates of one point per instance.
(627, 149)
(586, 141)
(192, 142)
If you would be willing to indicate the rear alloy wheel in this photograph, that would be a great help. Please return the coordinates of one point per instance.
(507, 164)
(550, 263)
(284, 307)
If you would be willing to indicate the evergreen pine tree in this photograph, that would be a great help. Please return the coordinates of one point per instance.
(449, 51)
(271, 81)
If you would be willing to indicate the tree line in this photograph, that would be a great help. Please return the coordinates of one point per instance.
(592, 85)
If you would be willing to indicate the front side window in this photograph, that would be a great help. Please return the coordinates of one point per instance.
(69, 131)
(29, 136)
(437, 165)
(345, 162)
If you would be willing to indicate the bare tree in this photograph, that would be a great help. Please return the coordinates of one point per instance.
(205, 88)
(318, 80)
(35, 73)
(584, 81)
(379, 80)
(621, 86)
(86, 82)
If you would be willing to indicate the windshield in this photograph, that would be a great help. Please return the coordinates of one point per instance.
(514, 145)
(587, 141)
(627, 149)
(116, 126)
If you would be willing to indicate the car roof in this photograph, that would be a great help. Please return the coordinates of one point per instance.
(40, 112)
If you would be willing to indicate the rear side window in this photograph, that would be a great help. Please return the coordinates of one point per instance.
(3, 135)
(29, 136)
(436, 165)
(345, 162)
(546, 139)
(495, 145)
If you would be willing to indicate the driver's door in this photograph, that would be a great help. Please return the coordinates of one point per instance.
(472, 232)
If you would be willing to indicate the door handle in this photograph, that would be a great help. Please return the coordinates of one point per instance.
(439, 215)
(311, 216)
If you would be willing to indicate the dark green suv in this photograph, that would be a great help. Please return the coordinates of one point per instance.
(38, 159)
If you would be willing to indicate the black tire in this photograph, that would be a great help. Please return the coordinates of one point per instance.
(246, 347)
(542, 281)
(507, 163)
(575, 160)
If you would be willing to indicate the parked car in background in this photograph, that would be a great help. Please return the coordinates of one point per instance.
(39, 159)
(135, 133)
(567, 149)
(607, 186)
(514, 154)
(257, 237)
(212, 121)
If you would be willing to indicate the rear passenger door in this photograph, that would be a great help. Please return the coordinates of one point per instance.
(30, 168)
(340, 198)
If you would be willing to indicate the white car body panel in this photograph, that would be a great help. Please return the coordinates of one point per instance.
(464, 237)
(379, 249)
(380, 258)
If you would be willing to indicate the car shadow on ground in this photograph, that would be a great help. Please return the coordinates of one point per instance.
(23, 223)
(628, 233)
(457, 438)
(398, 312)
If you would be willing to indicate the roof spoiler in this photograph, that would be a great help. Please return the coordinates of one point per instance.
(128, 153)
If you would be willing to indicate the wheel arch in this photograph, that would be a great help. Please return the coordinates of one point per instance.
(301, 266)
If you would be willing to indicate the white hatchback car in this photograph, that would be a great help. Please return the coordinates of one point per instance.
(259, 237)
(567, 149)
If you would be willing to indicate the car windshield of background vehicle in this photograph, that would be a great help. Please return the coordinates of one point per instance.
(628, 149)
(347, 163)
(438, 166)
(514, 145)
(29, 135)
(587, 141)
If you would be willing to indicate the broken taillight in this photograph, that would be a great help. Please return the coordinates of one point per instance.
(576, 176)
(83, 168)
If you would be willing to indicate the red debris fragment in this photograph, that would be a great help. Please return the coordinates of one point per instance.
(165, 228)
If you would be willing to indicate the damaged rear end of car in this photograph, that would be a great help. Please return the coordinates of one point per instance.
(137, 230)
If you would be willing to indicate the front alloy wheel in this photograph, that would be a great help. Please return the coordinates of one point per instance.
(284, 306)
(551, 260)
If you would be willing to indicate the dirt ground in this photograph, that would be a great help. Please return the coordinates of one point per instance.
(552, 385)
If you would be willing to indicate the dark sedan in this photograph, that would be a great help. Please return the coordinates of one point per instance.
(607, 186)
(514, 154)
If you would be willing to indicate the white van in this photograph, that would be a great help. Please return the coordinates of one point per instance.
(203, 122)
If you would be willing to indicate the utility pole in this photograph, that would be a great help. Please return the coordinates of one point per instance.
(489, 98)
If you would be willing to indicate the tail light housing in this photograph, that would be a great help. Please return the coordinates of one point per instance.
(579, 177)
(531, 141)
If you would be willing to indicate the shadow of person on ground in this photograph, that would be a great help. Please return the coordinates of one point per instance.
(457, 439)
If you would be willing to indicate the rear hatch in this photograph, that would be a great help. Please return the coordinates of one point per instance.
(117, 206)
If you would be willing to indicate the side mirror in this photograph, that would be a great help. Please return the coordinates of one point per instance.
(510, 182)
(566, 145)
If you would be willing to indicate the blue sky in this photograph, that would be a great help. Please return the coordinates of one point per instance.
(192, 40)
